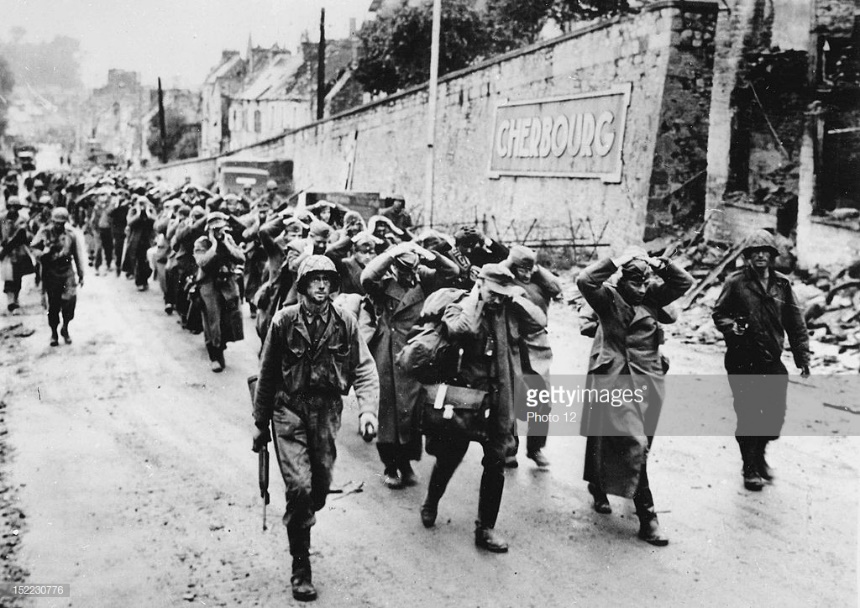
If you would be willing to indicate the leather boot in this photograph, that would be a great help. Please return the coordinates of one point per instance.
(601, 502)
(489, 501)
(649, 525)
(752, 478)
(408, 477)
(439, 479)
(214, 354)
(300, 581)
(761, 464)
(486, 538)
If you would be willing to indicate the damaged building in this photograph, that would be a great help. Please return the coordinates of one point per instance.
(785, 127)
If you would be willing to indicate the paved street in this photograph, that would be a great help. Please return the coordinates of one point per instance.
(132, 464)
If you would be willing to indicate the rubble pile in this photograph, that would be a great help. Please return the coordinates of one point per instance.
(831, 300)
(831, 304)
(845, 216)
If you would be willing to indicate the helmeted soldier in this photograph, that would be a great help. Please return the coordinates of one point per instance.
(14, 251)
(58, 248)
(217, 254)
(313, 354)
(755, 310)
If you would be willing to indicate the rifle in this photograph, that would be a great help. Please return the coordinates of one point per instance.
(262, 459)
(286, 201)
(263, 475)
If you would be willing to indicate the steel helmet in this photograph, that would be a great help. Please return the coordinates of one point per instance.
(760, 239)
(316, 263)
(271, 185)
(60, 214)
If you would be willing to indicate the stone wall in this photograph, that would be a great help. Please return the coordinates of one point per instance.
(665, 51)
(733, 29)
(200, 170)
(389, 150)
(682, 141)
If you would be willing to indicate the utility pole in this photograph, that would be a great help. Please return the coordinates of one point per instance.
(161, 123)
(431, 109)
(321, 69)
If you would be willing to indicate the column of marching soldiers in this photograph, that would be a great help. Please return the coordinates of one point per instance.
(341, 302)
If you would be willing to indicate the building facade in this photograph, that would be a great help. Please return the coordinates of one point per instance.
(222, 83)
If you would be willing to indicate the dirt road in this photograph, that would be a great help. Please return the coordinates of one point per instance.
(131, 465)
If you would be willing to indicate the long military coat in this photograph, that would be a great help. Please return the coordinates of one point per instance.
(397, 310)
(625, 355)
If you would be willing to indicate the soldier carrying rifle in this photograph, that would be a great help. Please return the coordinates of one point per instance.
(312, 356)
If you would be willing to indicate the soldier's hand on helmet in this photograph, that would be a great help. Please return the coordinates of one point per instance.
(656, 263)
(261, 438)
(367, 425)
(304, 215)
(804, 371)
(518, 292)
(401, 247)
(421, 251)
(631, 253)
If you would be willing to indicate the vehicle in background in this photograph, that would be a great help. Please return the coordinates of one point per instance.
(232, 175)
(96, 155)
(25, 157)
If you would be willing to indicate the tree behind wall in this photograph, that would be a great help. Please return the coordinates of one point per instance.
(395, 47)
(182, 137)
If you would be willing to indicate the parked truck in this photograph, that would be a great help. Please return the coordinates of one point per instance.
(233, 175)
(25, 157)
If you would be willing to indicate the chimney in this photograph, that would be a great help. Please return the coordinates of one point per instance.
(352, 27)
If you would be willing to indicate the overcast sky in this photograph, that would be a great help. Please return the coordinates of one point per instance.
(174, 39)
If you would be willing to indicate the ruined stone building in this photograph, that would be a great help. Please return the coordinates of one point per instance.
(783, 148)
(111, 116)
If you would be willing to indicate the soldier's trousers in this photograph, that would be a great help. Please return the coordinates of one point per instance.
(449, 453)
(304, 442)
(760, 397)
(104, 248)
(60, 304)
(118, 246)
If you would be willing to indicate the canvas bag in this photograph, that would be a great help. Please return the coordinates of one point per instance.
(454, 412)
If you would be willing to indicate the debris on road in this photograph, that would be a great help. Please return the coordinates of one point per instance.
(843, 408)
(345, 490)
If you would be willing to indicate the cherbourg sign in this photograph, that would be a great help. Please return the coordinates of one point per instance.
(571, 136)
